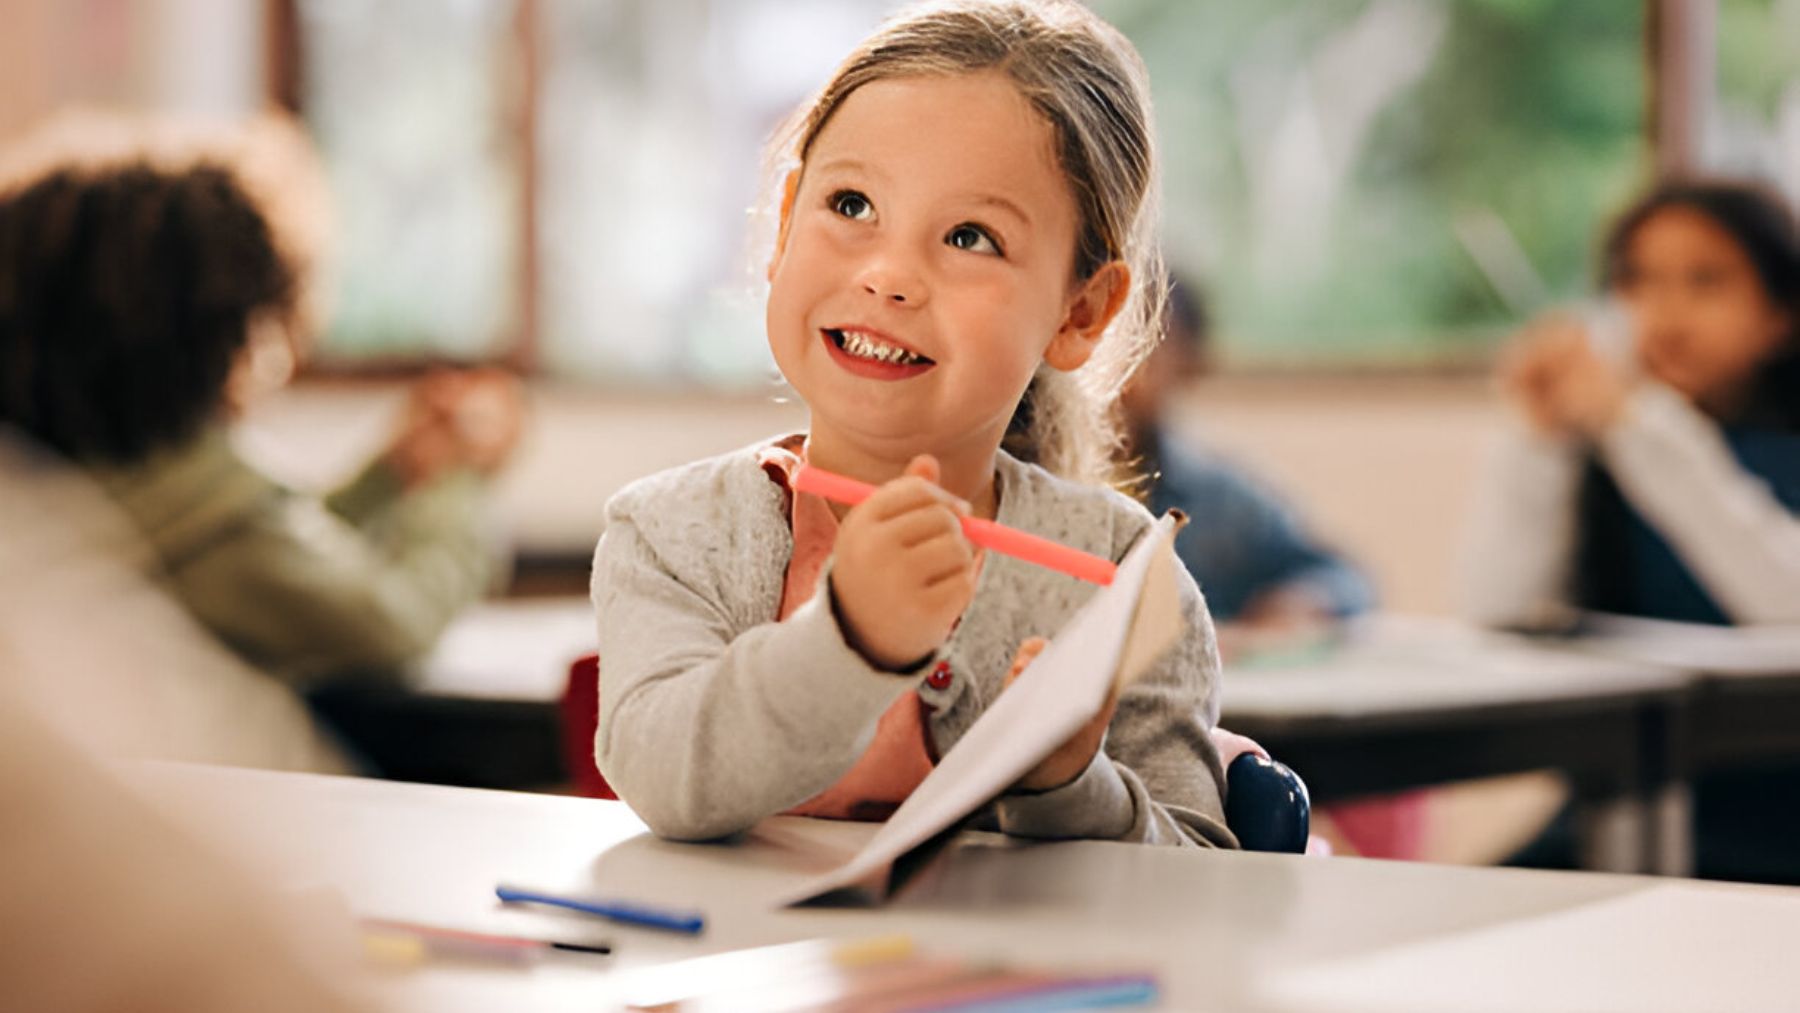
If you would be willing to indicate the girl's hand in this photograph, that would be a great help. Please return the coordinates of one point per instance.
(1073, 756)
(903, 573)
(424, 445)
(1592, 394)
(1561, 384)
(486, 409)
(470, 419)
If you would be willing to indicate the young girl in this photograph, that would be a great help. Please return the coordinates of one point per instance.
(1657, 469)
(964, 257)
(1659, 475)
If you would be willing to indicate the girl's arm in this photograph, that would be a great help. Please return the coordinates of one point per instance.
(304, 593)
(1157, 778)
(377, 487)
(706, 729)
(1521, 554)
(1742, 544)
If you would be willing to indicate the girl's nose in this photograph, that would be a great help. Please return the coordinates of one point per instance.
(892, 282)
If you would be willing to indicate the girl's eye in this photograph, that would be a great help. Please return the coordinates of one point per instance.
(851, 204)
(973, 238)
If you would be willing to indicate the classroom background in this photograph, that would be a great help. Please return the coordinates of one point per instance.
(541, 184)
(1372, 199)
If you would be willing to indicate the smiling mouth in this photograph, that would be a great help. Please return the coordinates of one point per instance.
(858, 345)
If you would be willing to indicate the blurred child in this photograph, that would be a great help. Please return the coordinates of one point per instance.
(132, 301)
(1270, 585)
(1657, 472)
(1267, 580)
(108, 657)
(1656, 469)
(965, 255)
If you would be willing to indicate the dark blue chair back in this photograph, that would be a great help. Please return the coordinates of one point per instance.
(1266, 805)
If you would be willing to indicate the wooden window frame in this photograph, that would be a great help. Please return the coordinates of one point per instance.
(1680, 50)
(284, 83)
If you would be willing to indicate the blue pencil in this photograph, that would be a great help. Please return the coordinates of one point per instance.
(688, 922)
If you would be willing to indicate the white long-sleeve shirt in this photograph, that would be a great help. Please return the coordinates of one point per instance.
(1672, 463)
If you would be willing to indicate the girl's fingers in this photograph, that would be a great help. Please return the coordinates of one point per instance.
(923, 466)
(949, 597)
(916, 486)
(916, 527)
(898, 497)
(941, 557)
(1028, 652)
(910, 493)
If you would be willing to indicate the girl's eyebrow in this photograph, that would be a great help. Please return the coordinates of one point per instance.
(997, 201)
(847, 164)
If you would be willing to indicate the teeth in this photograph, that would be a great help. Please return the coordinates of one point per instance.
(864, 347)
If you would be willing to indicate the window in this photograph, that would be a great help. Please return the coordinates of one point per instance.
(408, 100)
(1363, 183)
(1754, 128)
(1388, 182)
(654, 117)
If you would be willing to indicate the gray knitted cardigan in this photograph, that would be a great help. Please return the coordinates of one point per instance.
(715, 716)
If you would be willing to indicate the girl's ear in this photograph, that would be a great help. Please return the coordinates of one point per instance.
(790, 185)
(1092, 306)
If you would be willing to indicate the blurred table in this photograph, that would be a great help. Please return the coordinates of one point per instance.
(1745, 706)
(1404, 703)
(1740, 733)
(1408, 703)
(481, 710)
(1220, 930)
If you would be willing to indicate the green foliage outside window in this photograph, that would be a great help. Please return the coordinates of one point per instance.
(1331, 165)
(1355, 182)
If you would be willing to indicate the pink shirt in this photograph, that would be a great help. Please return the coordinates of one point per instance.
(899, 756)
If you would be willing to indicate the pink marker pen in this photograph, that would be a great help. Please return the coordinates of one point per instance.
(985, 533)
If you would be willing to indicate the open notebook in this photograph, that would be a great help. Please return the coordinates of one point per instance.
(1111, 640)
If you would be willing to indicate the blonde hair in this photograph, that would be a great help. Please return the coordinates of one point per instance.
(1089, 84)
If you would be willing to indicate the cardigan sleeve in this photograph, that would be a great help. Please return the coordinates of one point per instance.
(706, 729)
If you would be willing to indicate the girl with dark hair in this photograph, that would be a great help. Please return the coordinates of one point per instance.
(1658, 470)
(1658, 474)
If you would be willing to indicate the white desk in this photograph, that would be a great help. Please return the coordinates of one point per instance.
(1221, 930)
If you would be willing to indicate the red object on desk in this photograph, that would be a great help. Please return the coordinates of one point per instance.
(580, 719)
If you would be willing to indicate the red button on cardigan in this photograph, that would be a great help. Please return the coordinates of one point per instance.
(939, 678)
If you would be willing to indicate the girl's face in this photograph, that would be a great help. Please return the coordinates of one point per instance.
(925, 267)
(1705, 323)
